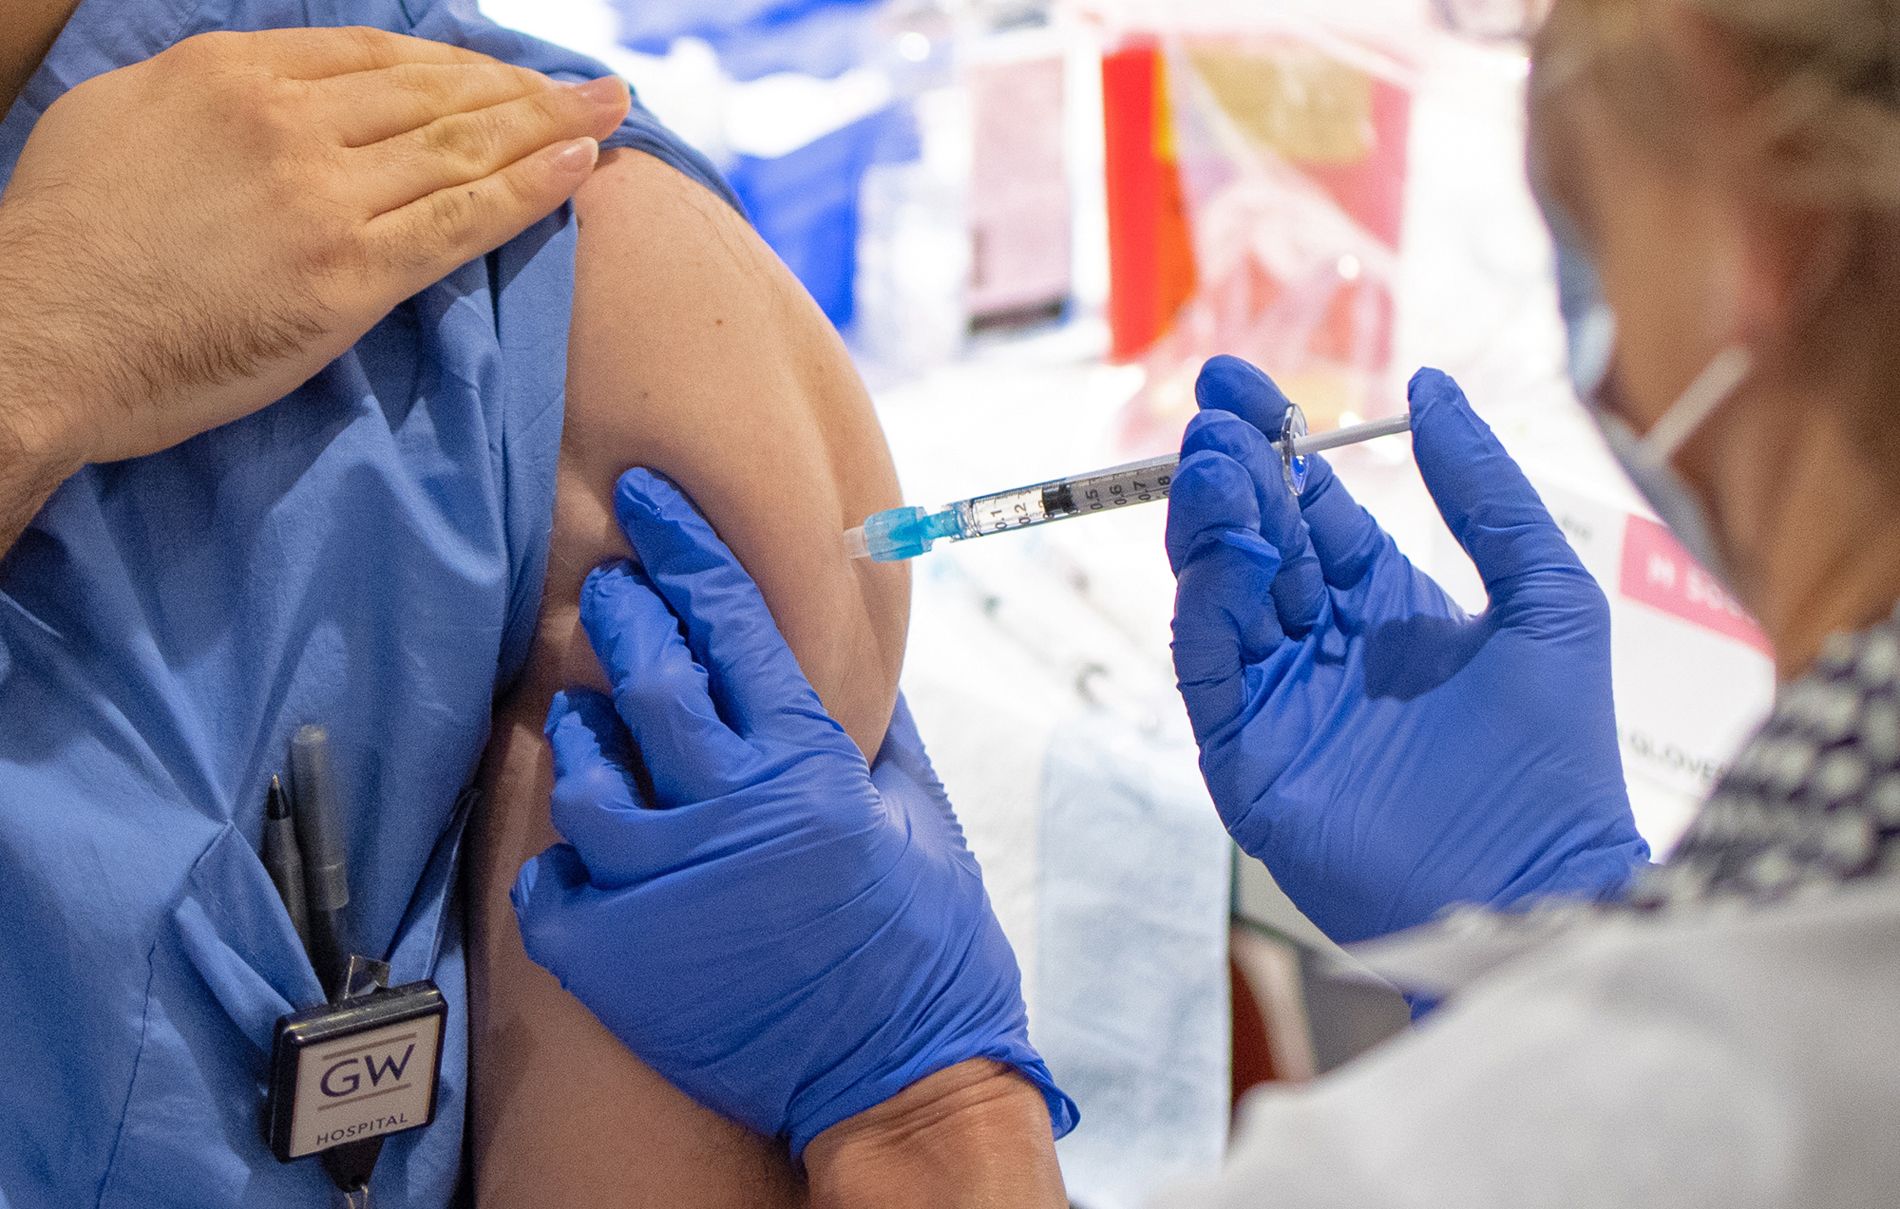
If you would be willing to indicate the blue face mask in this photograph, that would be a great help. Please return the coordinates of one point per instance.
(1590, 329)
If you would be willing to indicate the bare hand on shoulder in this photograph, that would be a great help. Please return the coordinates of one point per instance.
(189, 238)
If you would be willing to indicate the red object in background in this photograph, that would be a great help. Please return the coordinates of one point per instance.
(1252, 1050)
(1150, 254)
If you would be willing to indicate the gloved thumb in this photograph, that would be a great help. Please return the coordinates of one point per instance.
(1224, 618)
(904, 776)
(541, 895)
(902, 760)
(1487, 503)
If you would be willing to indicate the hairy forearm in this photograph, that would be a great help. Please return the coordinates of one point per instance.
(33, 463)
(974, 1136)
(26, 482)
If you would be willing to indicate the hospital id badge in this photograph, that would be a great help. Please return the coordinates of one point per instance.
(356, 1069)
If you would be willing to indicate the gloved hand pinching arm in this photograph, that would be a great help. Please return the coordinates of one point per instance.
(1384, 753)
(786, 934)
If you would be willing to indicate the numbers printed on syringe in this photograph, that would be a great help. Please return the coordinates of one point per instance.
(1012, 511)
(1118, 494)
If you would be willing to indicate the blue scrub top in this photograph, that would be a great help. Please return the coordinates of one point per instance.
(367, 553)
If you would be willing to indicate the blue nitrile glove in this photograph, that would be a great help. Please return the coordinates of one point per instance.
(1384, 753)
(787, 935)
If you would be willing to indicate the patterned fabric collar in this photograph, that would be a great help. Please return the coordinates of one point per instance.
(1813, 800)
(1810, 807)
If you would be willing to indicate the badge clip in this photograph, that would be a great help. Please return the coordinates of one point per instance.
(361, 1068)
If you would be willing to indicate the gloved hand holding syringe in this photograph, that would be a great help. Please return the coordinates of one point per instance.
(896, 534)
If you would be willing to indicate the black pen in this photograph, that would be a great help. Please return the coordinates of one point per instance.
(326, 865)
(284, 859)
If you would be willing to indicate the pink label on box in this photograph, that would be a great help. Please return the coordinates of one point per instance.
(1658, 572)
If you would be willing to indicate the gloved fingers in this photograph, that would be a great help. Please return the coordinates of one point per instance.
(755, 678)
(1223, 619)
(1211, 493)
(599, 801)
(597, 774)
(1347, 541)
(541, 896)
(1230, 384)
(1486, 501)
(584, 733)
(659, 691)
(1342, 536)
(1299, 591)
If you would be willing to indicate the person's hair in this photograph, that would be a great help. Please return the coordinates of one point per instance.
(1822, 81)
(1812, 119)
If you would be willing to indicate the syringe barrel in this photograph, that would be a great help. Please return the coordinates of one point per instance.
(1140, 482)
(900, 533)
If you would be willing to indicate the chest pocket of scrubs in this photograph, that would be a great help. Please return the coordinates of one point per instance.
(225, 967)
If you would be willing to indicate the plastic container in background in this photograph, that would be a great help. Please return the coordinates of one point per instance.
(914, 249)
(799, 102)
(1021, 211)
(755, 38)
(805, 203)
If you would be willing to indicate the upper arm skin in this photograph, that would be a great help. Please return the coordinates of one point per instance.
(695, 353)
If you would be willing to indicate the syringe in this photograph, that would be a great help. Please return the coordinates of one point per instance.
(896, 534)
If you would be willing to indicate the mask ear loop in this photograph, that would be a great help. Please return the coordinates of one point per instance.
(1714, 386)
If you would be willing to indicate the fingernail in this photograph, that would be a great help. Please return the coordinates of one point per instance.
(575, 158)
(607, 90)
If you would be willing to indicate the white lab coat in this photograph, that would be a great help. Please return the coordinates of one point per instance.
(1720, 1055)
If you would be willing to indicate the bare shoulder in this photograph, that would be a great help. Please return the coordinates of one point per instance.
(695, 353)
